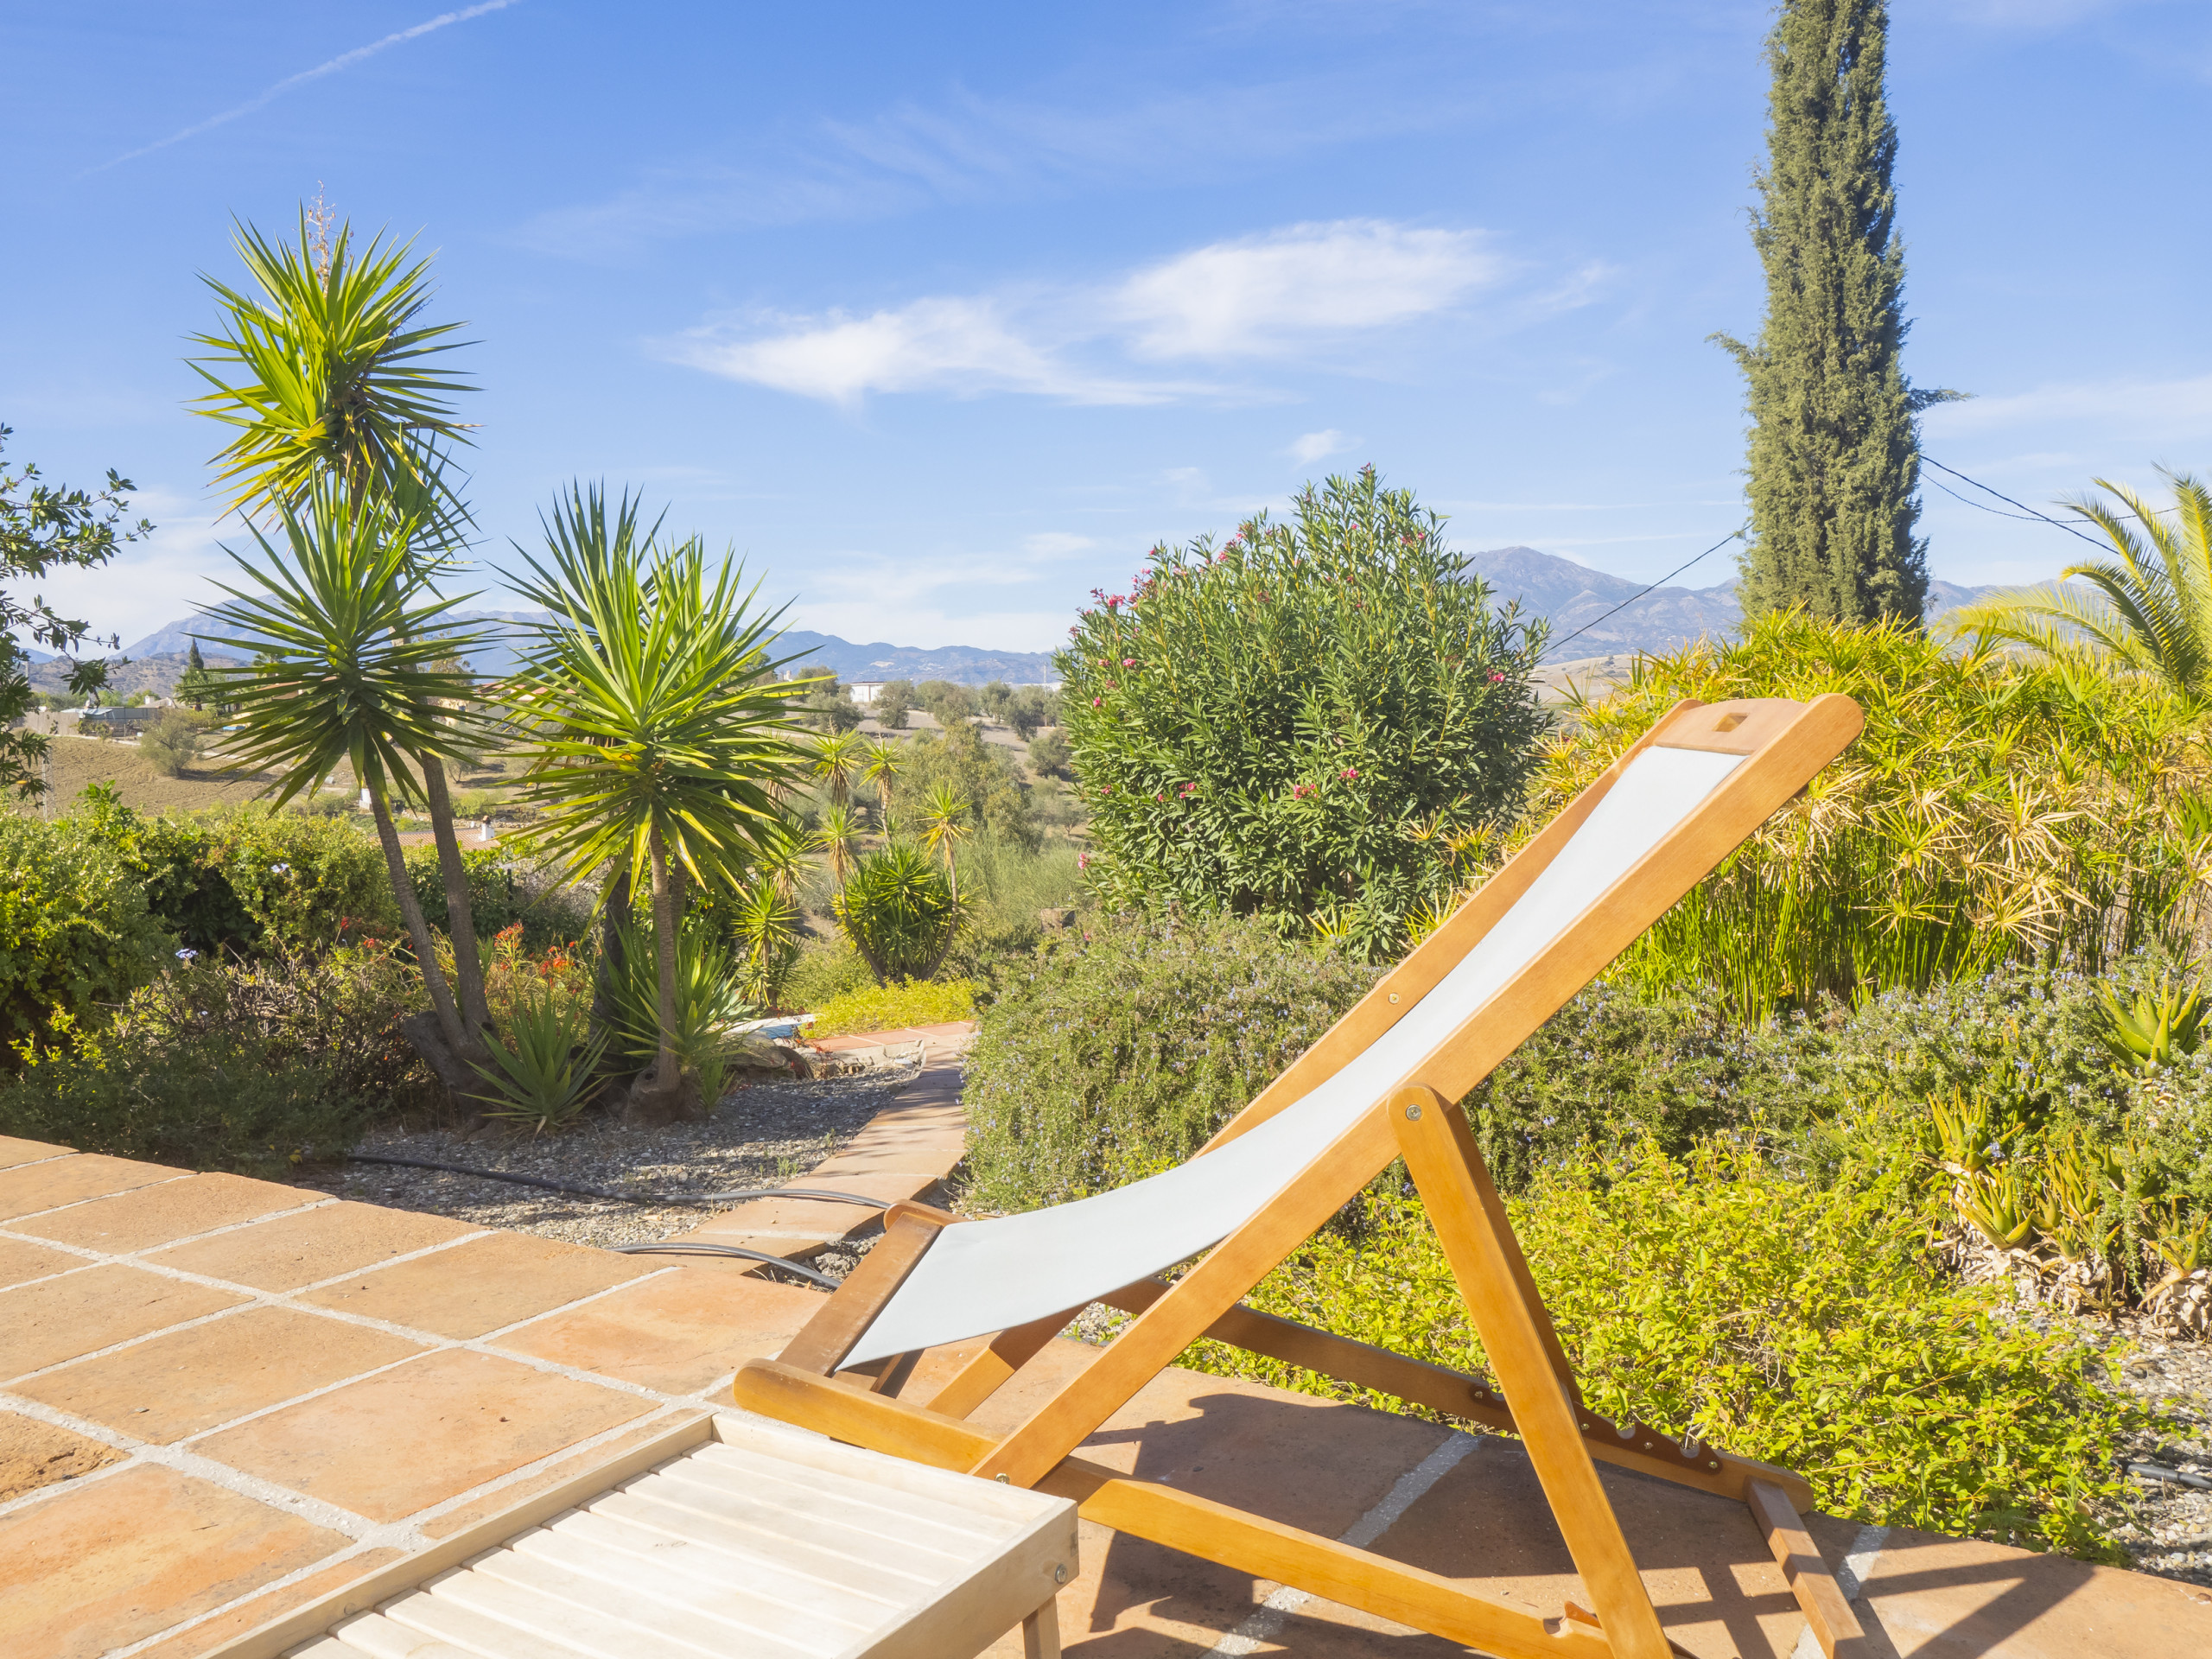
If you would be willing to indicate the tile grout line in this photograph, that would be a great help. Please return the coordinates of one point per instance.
(1269, 1616)
(79, 1204)
(414, 1539)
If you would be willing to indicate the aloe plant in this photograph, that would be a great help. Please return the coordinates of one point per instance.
(546, 1070)
(2155, 1026)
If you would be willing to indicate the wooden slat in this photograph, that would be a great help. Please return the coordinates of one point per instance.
(645, 1596)
(892, 1508)
(265, 1641)
(786, 1445)
(1647, 1451)
(374, 1634)
(1827, 1612)
(488, 1637)
(836, 1583)
(835, 1529)
(533, 1615)
(1470, 1225)
(1180, 1520)
(908, 1231)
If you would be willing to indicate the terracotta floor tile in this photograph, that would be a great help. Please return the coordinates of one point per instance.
(677, 1333)
(34, 1454)
(55, 1319)
(390, 1445)
(482, 1284)
(138, 1221)
(19, 1259)
(189, 1381)
(115, 1560)
(305, 1250)
(26, 1190)
(271, 1603)
(14, 1151)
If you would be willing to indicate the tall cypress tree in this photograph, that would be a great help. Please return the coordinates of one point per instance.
(1835, 443)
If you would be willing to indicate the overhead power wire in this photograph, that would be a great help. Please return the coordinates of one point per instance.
(1731, 536)
(2059, 523)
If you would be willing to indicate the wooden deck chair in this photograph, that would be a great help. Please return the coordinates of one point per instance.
(1380, 1084)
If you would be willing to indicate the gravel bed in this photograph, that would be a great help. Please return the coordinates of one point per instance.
(756, 1135)
(2170, 1533)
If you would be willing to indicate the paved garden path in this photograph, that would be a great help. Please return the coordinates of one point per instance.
(220, 1397)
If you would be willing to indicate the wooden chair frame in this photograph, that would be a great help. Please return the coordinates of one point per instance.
(1534, 1394)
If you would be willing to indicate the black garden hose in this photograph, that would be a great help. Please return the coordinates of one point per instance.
(817, 1193)
(688, 1247)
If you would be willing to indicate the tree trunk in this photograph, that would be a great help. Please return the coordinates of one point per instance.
(460, 920)
(614, 916)
(426, 952)
(669, 1072)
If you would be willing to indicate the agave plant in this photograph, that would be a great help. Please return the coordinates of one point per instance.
(545, 1071)
(838, 758)
(710, 1001)
(944, 826)
(329, 372)
(837, 838)
(880, 767)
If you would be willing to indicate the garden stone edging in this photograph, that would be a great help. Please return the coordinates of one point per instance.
(907, 1151)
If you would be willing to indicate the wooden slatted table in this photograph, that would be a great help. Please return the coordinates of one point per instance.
(728, 1537)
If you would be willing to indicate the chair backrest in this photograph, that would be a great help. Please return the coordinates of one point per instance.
(988, 1275)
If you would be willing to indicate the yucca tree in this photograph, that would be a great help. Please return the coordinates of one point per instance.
(838, 839)
(838, 757)
(2152, 608)
(654, 725)
(349, 643)
(327, 371)
(880, 767)
(944, 826)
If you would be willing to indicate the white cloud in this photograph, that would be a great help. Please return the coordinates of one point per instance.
(1262, 295)
(2150, 408)
(1318, 446)
(1055, 543)
(151, 583)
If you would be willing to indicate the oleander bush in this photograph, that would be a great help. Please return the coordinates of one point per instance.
(1116, 1052)
(1721, 1295)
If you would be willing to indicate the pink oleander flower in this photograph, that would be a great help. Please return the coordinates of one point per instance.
(1350, 773)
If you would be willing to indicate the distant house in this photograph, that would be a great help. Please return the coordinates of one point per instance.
(863, 691)
(119, 721)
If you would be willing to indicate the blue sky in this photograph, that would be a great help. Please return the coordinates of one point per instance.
(941, 316)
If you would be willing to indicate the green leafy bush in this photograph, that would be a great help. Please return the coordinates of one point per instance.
(825, 969)
(1106, 1058)
(888, 1007)
(224, 1066)
(1994, 809)
(983, 776)
(1804, 1326)
(499, 897)
(74, 927)
(1303, 722)
(899, 914)
(173, 741)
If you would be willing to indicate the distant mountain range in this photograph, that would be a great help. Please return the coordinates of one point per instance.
(1576, 598)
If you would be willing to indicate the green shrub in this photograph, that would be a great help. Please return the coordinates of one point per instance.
(897, 911)
(172, 742)
(497, 897)
(1302, 724)
(825, 969)
(220, 1066)
(1002, 887)
(1111, 1055)
(981, 775)
(1782, 1321)
(74, 927)
(1049, 754)
(1994, 809)
(888, 1007)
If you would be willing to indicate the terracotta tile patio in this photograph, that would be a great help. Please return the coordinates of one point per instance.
(220, 1398)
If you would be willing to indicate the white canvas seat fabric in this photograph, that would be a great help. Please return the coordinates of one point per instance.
(985, 1276)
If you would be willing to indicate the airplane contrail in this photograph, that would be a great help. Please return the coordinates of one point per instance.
(343, 61)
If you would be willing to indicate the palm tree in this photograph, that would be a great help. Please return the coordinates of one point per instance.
(944, 825)
(837, 759)
(331, 371)
(655, 724)
(838, 839)
(2153, 612)
(329, 386)
(880, 767)
(348, 644)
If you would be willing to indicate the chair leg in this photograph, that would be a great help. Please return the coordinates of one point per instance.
(1040, 1632)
